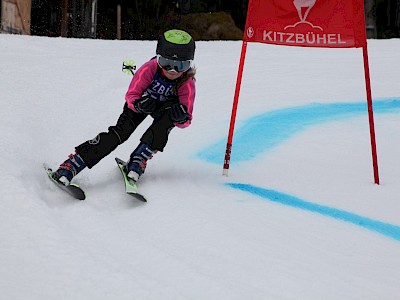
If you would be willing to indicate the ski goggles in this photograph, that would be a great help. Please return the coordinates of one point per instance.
(174, 65)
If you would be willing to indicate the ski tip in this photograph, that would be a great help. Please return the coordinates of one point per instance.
(120, 161)
(46, 167)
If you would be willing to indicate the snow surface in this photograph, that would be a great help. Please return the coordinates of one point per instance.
(299, 217)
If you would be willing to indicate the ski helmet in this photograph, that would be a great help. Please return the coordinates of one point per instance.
(176, 44)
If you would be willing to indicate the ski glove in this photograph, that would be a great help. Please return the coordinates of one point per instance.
(145, 105)
(179, 113)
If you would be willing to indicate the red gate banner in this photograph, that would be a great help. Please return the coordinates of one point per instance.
(307, 23)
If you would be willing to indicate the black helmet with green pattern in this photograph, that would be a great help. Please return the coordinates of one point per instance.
(176, 44)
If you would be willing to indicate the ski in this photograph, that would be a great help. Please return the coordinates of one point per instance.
(73, 189)
(130, 186)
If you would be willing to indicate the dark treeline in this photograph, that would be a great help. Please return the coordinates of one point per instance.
(136, 19)
(145, 19)
(387, 17)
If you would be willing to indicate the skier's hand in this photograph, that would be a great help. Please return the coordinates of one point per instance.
(145, 105)
(179, 113)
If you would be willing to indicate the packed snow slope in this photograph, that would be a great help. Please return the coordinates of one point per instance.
(299, 217)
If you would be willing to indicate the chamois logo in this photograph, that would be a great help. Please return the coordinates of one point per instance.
(303, 8)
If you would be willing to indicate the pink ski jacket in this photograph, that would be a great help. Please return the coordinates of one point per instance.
(148, 79)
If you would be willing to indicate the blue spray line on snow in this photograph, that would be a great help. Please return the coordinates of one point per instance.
(386, 229)
(264, 132)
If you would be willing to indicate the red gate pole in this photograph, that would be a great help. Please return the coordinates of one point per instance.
(234, 110)
(370, 114)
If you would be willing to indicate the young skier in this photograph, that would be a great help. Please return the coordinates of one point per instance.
(164, 88)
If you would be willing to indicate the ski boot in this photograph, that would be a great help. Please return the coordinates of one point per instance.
(138, 161)
(69, 169)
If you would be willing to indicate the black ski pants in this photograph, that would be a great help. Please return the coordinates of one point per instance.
(156, 136)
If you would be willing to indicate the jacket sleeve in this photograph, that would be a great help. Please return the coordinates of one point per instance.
(187, 94)
(140, 81)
